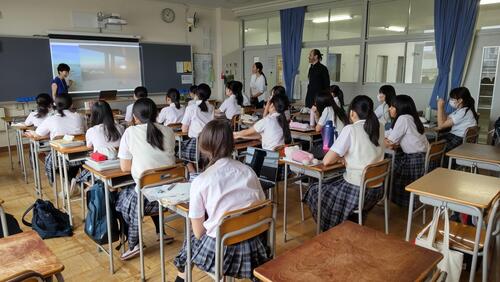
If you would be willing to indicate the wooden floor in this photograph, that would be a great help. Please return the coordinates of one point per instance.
(83, 261)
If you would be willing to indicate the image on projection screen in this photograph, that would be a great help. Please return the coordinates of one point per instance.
(97, 66)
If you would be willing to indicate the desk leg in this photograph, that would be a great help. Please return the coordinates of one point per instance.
(23, 161)
(189, 274)
(450, 160)
(108, 223)
(139, 223)
(59, 163)
(285, 186)
(33, 162)
(66, 190)
(54, 179)
(410, 216)
(318, 222)
(476, 248)
(36, 166)
(162, 246)
(8, 144)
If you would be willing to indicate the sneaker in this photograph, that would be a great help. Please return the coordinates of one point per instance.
(130, 254)
(166, 239)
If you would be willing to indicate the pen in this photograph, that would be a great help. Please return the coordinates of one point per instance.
(171, 187)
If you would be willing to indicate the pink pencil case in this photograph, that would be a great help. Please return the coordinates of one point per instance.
(302, 156)
(299, 125)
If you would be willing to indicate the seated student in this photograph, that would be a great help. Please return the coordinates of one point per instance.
(139, 92)
(385, 95)
(272, 129)
(44, 109)
(233, 104)
(463, 117)
(338, 95)
(174, 112)
(104, 135)
(359, 144)
(278, 90)
(192, 95)
(407, 132)
(225, 185)
(195, 118)
(147, 145)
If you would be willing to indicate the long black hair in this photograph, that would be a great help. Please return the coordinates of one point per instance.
(236, 87)
(174, 95)
(63, 102)
(259, 67)
(278, 90)
(337, 92)
(203, 93)
(405, 105)
(43, 104)
(102, 114)
(362, 105)
(145, 110)
(281, 104)
(389, 93)
(141, 92)
(467, 100)
(324, 100)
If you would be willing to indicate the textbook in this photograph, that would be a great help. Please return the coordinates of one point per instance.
(169, 194)
(103, 165)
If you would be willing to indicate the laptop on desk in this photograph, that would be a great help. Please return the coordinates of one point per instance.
(108, 95)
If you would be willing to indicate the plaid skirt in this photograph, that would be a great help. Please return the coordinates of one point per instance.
(188, 149)
(239, 259)
(73, 168)
(339, 200)
(452, 141)
(127, 206)
(407, 168)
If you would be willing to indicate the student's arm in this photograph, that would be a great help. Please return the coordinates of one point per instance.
(339, 148)
(249, 133)
(124, 154)
(125, 165)
(186, 120)
(331, 157)
(320, 121)
(266, 108)
(88, 139)
(442, 119)
(43, 129)
(397, 133)
(54, 91)
(198, 228)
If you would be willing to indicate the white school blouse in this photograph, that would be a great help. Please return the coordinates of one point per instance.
(354, 145)
(96, 137)
(128, 113)
(462, 118)
(134, 146)
(196, 119)
(329, 114)
(382, 113)
(271, 131)
(225, 186)
(258, 85)
(35, 121)
(405, 134)
(69, 124)
(230, 107)
(170, 114)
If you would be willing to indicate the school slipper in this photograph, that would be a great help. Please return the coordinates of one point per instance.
(130, 254)
(166, 239)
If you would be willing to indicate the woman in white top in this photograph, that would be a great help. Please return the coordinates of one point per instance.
(385, 95)
(173, 112)
(463, 117)
(226, 185)
(233, 104)
(139, 92)
(44, 104)
(358, 145)
(195, 118)
(192, 95)
(408, 133)
(258, 86)
(272, 129)
(104, 134)
(147, 145)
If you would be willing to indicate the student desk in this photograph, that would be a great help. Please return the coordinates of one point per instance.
(486, 156)
(8, 121)
(64, 155)
(241, 145)
(27, 251)
(305, 136)
(350, 252)
(39, 144)
(301, 117)
(112, 179)
(459, 191)
(20, 129)
(319, 172)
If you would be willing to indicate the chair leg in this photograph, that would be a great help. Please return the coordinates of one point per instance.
(386, 213)
(301, 202)
(423, 216)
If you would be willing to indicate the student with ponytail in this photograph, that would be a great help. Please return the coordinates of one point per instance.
(338, 95)
(359, 144)
(146, 145)
(233, 104)
(258, 85)
(278, 90)
(272, 129)
(44, 109)
(173, 112)
(195, 118)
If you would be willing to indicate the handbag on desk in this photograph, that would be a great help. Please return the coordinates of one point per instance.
(452, 260)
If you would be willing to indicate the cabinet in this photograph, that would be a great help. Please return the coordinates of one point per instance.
(489, 70)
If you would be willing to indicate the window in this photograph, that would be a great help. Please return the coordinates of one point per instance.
(421, 16)
(274, 30)
(304, 61)
(488, 16)
(256, 32)
(315, 26)
(421, 65)
(346, 22)
(383, 62)
(343, 63)
(388, 18)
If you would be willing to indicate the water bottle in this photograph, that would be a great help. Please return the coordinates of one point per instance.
(328, 133)
(312, 119)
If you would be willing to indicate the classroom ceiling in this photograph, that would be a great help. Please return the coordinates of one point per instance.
(220, 3)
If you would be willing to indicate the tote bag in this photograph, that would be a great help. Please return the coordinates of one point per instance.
(452, 260)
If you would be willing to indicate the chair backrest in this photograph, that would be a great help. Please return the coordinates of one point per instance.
(163, 175)
(249, 109)
(263, 162)
(471, 134)
(25, 276)
(242, 220)
(235, 122)
(375, 174)
(435, 153)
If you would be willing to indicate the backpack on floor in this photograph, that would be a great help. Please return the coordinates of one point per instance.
(48, 221)
(95, 222)
(12, 225)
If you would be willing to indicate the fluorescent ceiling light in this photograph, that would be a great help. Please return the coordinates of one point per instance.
(249, 29)
(487, 2)
(491, 27)
(395, 28)
(336, 18)
(429, 31)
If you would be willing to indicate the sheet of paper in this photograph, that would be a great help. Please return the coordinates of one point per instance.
(170, 194)
(188, 67)
(187, 79)
(179, 66)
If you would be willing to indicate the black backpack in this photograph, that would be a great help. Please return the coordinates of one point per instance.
(48, 221)
(12, 225)
(95, 222)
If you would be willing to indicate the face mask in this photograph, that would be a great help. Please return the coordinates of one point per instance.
(453, 103)
(380, 97)
(337, 101)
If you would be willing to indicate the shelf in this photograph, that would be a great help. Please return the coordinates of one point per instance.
(488, 84)
(484, 108)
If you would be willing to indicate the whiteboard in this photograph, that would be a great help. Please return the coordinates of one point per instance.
(203, 69)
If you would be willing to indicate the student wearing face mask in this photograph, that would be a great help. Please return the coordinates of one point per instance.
(338, 95)
(463, 116)
(386, 94)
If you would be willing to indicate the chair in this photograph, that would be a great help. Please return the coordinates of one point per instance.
(243, 224)
(374, 176)
(265, 164)
(471, 134)
(235, 122)
(26, 276)
(5, 230)
(196, 162)
(153, 178)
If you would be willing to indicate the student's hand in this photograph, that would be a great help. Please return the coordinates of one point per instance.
(441, 103)
(388, 143)
(314, 109)
(235, 135)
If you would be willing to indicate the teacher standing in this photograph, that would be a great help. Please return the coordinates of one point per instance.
(58, 84)
(258, 86)
(319, 78)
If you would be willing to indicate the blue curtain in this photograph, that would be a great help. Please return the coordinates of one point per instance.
(292, 25)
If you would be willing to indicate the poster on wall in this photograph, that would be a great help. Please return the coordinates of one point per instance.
(203, 69)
